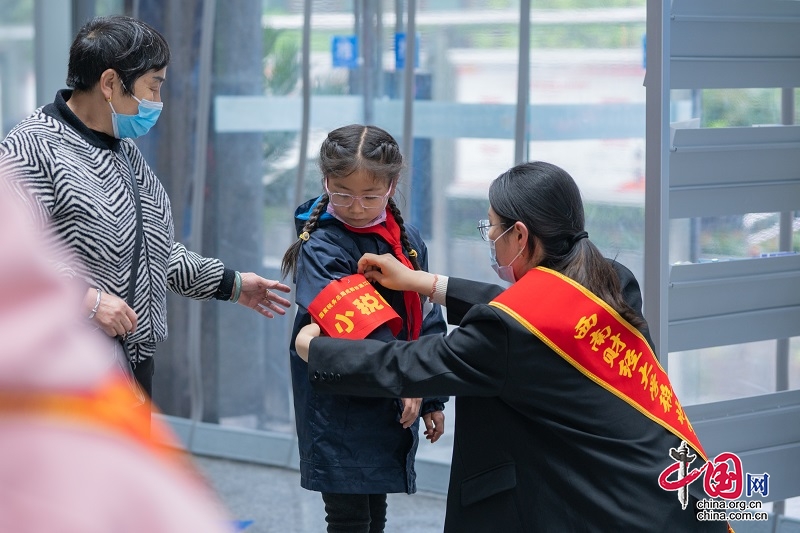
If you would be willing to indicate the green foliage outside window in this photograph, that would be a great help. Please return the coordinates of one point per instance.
(726, 108)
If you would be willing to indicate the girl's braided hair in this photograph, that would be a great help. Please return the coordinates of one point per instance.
(344, 151)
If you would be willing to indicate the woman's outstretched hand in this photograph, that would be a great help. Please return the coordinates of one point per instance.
(259, 294)
(303, 340)
(387, 271)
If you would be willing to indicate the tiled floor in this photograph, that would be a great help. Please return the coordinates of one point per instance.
(275, 503)
(273, 500)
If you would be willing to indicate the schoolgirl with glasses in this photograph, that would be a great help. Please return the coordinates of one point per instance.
(356, 450)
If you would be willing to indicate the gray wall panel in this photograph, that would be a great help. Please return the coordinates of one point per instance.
(709, 201)
(733, 302)
(709, 172)
(734, 73)
(734, 44)
(725, 171)
(764, 433)
(733, 329)
(709, 289)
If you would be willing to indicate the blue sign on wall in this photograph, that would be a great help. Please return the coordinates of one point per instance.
(400, 51)
(344, 51)
(644, 51)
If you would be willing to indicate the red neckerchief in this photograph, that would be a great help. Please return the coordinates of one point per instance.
(391, 234)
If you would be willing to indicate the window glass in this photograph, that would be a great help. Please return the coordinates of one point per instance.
(739, 370)
(729, 372)
(17, 77)
(586, 114)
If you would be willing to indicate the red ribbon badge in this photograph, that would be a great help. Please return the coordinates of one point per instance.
(351, 308)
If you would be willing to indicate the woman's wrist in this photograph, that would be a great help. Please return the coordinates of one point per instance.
(302, 344)
(421, 282)
(438, 290)
(432, 286)
(237, 287)
(97, 294)
(225, 289)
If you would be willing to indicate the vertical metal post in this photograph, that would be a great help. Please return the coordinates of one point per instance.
(299, 185)
(398, 28)
(441, 164)
(784, 244)
(408, 103)
(52, 38)
(301, 164)
(696, 223)
(379, 86)
(193, 350)
(367, 47)
(356, 74)
(656, 256)
(523, 83)
(82, 12)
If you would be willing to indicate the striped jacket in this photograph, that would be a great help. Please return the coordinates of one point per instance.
(76, 184)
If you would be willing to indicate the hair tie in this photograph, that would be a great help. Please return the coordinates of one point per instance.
(412, 253)
(578, 236)
(304, 236)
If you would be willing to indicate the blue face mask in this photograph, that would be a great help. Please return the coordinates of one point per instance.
(132, 126)
(506, 273)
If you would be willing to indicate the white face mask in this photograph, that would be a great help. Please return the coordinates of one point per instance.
(506, 273)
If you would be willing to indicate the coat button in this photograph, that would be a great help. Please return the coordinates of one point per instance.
(316, 374)
(324, 376)
(337, 377)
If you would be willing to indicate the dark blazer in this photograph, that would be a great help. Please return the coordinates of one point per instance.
(538, 446)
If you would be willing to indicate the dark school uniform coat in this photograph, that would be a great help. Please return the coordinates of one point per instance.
(351, 444)
(538, 446)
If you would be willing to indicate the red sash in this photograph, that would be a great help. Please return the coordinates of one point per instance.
(351, 308)
(598, 342)
(106, 408)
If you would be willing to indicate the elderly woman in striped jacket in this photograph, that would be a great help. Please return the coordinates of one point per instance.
(91, 191)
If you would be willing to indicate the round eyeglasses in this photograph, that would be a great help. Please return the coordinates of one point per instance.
(368, 201)
(483, 228)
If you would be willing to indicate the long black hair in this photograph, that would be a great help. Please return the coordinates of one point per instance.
(346, 150)
(547, 200)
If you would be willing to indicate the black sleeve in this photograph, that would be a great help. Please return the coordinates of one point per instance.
(630, 287)
(633, 297)
(472, 360)
(225, 289)
(462, 294)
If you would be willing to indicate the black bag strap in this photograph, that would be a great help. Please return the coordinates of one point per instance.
(137, 246)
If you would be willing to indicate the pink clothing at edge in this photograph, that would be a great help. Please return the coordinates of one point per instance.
(59, 475)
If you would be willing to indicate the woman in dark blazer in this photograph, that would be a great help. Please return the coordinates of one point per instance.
(544, 440)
